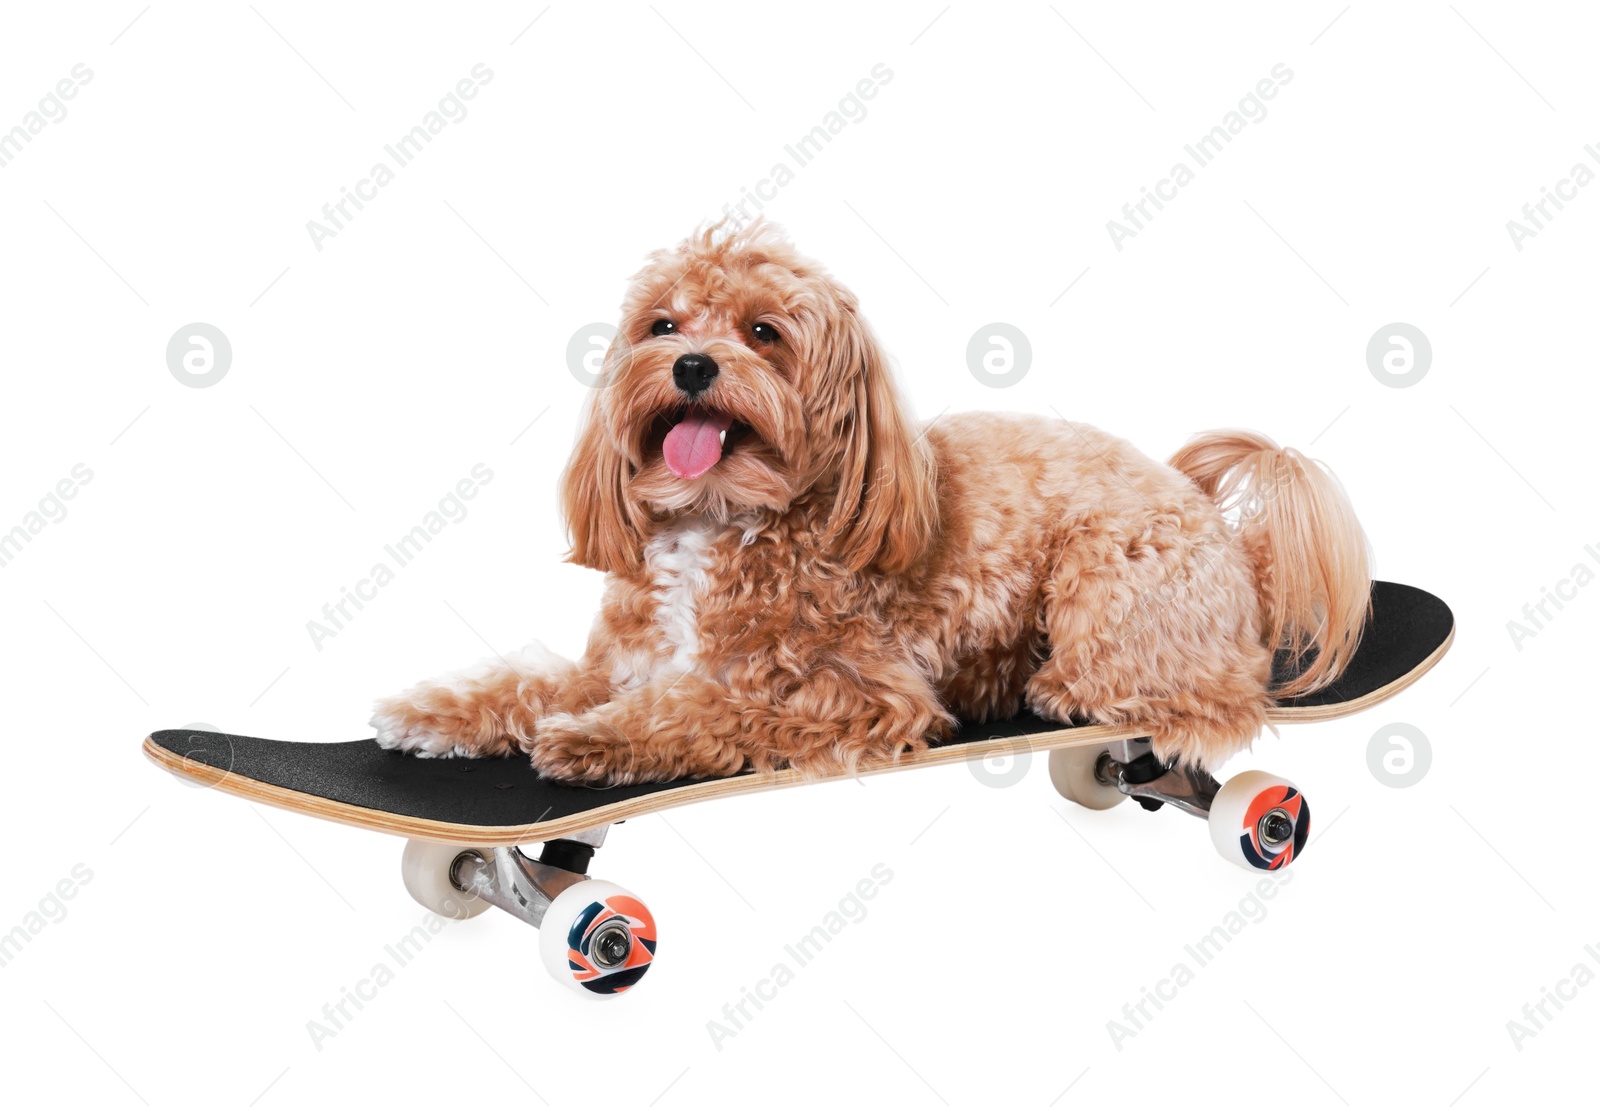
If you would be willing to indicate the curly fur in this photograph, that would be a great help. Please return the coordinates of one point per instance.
(842, 586)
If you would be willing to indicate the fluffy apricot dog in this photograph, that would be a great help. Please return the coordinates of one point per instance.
(798, 575)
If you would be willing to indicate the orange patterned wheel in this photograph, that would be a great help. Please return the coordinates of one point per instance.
(598, 938)
(1259, 821)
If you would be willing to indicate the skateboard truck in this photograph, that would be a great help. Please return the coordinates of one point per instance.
(521, 885)
(594, 936)
(1257, 820)
(1132, 768)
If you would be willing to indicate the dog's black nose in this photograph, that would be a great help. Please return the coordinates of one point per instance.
(694, 373)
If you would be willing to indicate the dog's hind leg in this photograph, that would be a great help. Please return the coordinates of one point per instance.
(1157, 634)
(487, 711)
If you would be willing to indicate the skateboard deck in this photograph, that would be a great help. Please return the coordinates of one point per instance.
(503, 802)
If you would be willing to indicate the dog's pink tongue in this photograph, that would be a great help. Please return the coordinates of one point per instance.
(694, 444)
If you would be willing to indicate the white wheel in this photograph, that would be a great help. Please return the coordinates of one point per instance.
(1259, 821)
(1072, 771)
(597, 938)
(425, 867)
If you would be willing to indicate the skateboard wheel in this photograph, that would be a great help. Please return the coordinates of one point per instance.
(597, 938)
(1259, 821)
(1072, 771)
(426, 868)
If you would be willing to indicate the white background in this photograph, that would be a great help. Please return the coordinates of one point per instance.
(370, 376)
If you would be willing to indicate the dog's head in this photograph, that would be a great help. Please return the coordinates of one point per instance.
(744, 381)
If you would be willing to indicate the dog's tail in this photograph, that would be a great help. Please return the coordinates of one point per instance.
(1301, 534)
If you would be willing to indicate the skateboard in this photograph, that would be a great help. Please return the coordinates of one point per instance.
(464, 818)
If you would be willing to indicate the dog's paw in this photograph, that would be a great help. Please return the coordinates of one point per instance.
(575, 749)
(437, 722)
(400, 726)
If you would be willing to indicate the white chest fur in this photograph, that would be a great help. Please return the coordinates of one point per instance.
(679, 559)
(679, 562)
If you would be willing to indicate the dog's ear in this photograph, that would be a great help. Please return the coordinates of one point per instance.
(594, 500)
(886, 512)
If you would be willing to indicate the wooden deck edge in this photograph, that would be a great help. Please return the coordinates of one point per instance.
(432, 830)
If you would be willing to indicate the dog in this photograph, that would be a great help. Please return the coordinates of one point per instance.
(798, 576)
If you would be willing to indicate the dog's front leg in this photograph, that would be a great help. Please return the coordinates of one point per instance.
(688, 726)
(671, 727)
(491, 710)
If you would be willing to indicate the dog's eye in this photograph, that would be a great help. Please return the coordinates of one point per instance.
(663, 328)
(764, 332)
